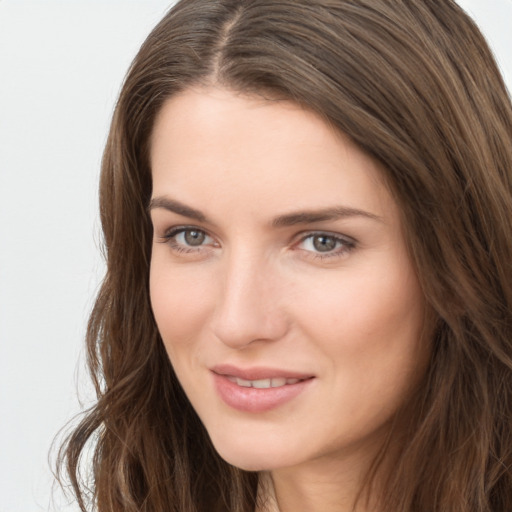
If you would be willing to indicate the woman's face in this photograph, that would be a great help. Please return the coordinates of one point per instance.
(280, 280)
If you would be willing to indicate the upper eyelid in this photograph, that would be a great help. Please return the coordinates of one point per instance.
(297, 238)
(347, 245)
(174, 230)
(345, 238)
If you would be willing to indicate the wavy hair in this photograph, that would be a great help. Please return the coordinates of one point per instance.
(414, 85)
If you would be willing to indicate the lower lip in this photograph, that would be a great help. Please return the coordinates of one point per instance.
(256, 399)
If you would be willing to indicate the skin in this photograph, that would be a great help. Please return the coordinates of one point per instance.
(250, 291)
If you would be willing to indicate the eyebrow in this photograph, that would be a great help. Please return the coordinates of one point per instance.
(288, 219)
(324, 214)
(177, 207)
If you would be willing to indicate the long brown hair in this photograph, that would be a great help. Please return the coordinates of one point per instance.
(414, 84)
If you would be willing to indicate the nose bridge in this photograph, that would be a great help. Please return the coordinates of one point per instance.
(248, 307)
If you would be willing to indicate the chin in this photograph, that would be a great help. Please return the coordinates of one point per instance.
(251, 461)
(251, 455)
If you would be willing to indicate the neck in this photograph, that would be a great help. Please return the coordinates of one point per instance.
(332, 485)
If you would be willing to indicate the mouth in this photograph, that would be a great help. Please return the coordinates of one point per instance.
(275, 382)
(257, 390)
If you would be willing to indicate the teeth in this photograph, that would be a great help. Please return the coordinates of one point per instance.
(280, 381)
(276, 382)
(244, 383)
(261, 384)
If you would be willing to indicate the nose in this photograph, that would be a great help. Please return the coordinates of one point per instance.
(250, 306)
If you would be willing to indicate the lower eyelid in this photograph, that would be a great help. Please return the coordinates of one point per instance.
(344, 247)
(169, 237)
(338, 239)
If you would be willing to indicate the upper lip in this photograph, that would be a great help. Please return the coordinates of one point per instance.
(258, 372)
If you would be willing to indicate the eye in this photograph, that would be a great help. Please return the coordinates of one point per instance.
(324, 245)
(191, 237)
(188, 239)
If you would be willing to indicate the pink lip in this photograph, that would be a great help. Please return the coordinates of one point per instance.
(258, 372)
(255, 400)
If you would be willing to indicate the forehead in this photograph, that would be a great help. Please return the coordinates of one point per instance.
(217, 112)
(214, 145)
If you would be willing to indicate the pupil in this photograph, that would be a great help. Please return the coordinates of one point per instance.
(193, 237)
(324, 243)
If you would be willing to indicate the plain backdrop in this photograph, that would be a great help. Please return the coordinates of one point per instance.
(61, 67)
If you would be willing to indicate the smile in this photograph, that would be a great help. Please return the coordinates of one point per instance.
(275, 382)
(257, 390)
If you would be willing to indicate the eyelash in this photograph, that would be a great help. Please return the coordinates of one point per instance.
(347, 244)
(170, 238)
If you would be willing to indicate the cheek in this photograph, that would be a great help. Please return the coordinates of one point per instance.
(373, 318)
(370, 330)
(180, 303)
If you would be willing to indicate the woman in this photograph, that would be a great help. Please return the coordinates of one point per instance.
(308, 304)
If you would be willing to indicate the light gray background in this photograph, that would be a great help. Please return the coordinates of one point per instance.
(61, 66)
